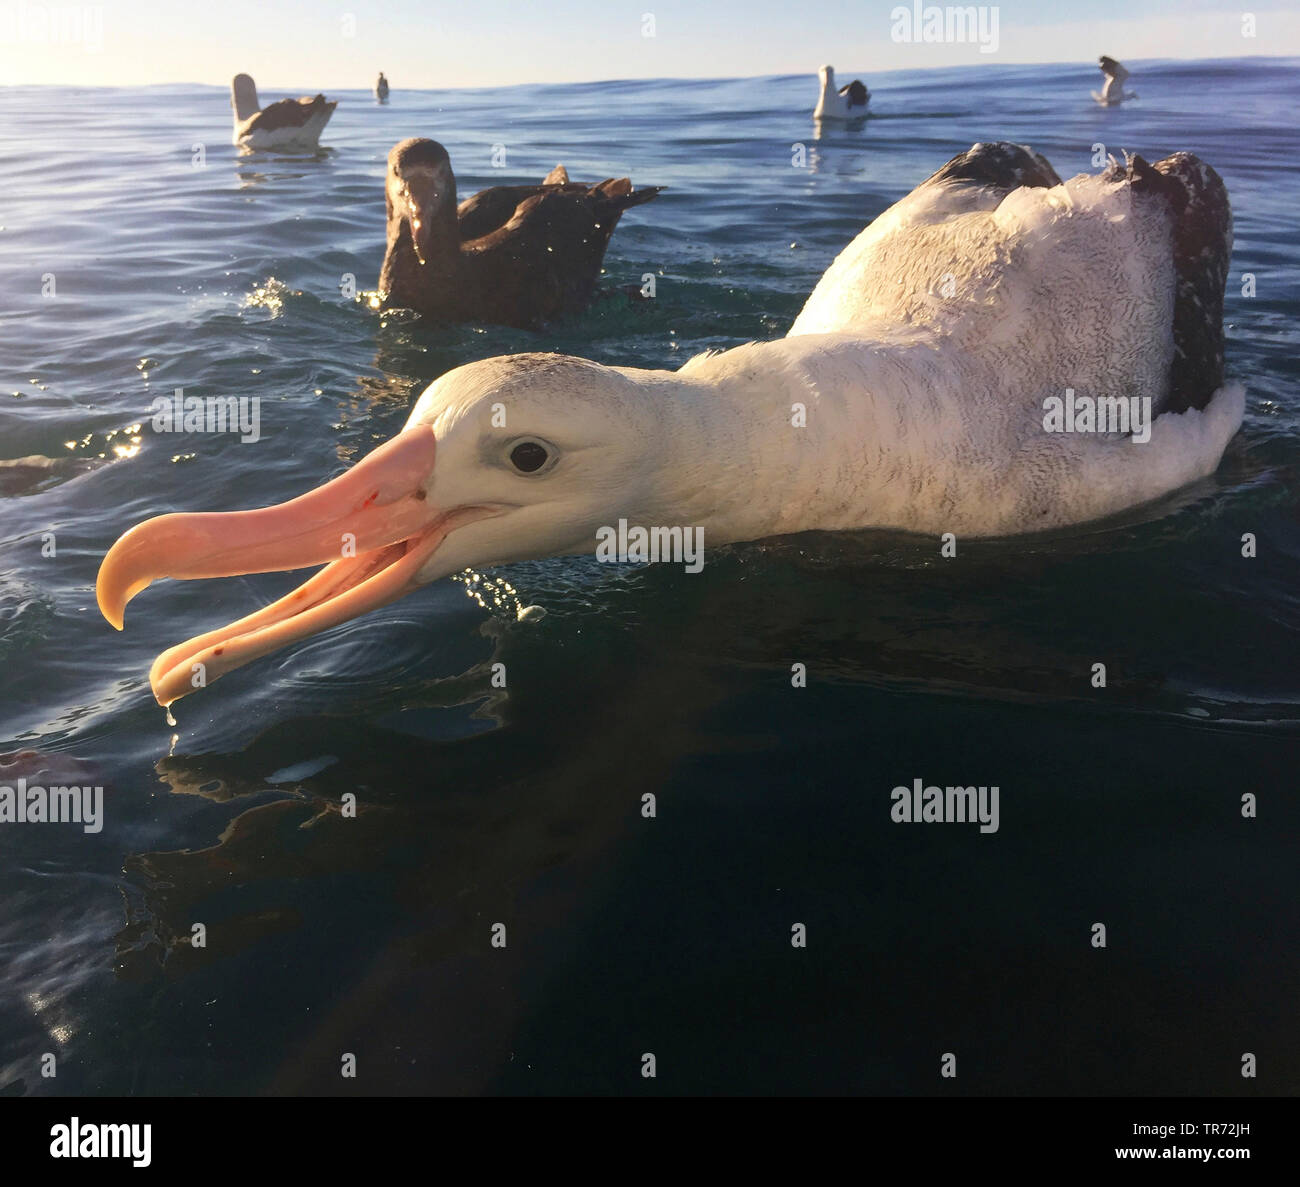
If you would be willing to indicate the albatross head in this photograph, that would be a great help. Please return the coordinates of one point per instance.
(506, 459)
(421, 194)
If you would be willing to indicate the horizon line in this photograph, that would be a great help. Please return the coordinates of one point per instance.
(106, 86)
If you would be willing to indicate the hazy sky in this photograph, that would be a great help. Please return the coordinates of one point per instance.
(318, 44)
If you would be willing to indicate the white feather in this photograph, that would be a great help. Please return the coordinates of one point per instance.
(909, 394)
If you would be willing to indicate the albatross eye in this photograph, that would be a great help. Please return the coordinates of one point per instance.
(528, 457)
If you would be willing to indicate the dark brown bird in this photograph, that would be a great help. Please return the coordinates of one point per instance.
(514, 255)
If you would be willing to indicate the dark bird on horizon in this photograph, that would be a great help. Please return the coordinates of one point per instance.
(514, 255)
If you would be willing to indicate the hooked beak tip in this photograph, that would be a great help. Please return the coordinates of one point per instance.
(121, 575)
(111, 606)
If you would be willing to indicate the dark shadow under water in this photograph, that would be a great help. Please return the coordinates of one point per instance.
(371, 934)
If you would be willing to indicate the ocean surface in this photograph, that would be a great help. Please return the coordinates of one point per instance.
(139, 252)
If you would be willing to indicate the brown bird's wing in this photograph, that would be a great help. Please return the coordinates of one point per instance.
(287, 113)
(491, 209)
(856, 92)
(546, 259)
(620, 195)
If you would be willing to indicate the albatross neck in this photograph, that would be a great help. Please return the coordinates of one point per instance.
(434, 286)
(763, 440)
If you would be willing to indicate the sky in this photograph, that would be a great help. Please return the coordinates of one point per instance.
(309, 45)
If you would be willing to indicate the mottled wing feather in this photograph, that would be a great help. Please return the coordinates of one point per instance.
(287, 113)
(1049, 285)
(1198, 201)
(1000, 165)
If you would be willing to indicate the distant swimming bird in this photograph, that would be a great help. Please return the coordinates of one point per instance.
(381, 88)
(849, 102)
(911, 393)
(289, 123)
(515, 255)
(1113, 93)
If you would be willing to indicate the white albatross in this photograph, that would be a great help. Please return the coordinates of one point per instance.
(286, 124)
(848, 103)
(1113, 93)
(922, 363)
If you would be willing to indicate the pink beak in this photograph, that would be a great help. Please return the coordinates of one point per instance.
(372, 527)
